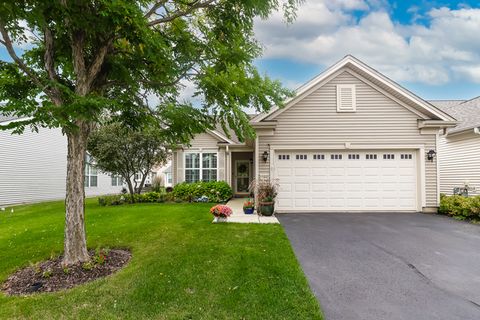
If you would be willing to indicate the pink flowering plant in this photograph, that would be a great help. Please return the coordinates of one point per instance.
(221, 211)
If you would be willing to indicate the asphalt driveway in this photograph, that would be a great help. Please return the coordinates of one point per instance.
(389, 265)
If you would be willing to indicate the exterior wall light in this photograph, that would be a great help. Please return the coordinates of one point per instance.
(265, 156)
(431, 155)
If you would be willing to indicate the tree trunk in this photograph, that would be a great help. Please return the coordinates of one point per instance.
(75, 245)
(131, 189)
(142, 183)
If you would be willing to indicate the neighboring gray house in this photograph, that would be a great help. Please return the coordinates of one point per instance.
(349, 140)
(33, 168)
(459, 147)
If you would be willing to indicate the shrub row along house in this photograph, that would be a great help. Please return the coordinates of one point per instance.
(349, 140)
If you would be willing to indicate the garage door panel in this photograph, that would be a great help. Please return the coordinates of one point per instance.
(342, 184)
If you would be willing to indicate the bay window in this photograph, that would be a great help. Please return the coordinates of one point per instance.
(200, 166)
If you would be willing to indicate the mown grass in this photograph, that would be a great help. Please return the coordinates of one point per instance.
(183, 266)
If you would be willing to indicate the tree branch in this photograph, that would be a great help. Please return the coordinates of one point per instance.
(195, 5)
(7, 42)
(154, 8)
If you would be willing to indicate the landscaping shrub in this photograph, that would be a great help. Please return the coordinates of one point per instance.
(460, 207)
(215, 191)
(119, 199)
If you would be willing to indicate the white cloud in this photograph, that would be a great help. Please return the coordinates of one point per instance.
(325, 31)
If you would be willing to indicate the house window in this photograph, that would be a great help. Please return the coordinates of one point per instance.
(91, 173)
(209, 167)
(318, 157)
(353, 157)
(371, 157)
(283, 157)
(388, 156)
(116, 180)
(407, 156)
(200, 170)
(336, 157)
(301, 157)
(168, 177)
(138, 177)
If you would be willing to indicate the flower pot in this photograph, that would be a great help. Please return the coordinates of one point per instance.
(248, 210)
(267, 208)
(219, 219)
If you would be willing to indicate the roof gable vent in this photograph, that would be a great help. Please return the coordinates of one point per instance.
(346, 98)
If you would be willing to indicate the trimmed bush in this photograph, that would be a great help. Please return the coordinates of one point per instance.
(460, 207)
(215, 191)
(119, 199)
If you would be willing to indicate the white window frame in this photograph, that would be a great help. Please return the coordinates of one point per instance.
(354, 97)
(118, 180)
(201, 163)
(88, 175)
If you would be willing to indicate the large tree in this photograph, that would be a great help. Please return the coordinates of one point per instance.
(126, 152)
(82, 59)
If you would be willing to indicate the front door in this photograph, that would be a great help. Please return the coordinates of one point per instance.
(242, 176)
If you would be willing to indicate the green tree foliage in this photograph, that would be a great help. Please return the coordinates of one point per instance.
(87, 59)
(123, 151)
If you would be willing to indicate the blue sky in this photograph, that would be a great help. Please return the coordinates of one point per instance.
(430, 47)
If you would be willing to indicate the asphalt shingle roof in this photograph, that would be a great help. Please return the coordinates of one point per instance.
(467, 112)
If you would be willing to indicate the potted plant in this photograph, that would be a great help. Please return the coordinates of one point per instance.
(248, 207)
(221, 212)
(266, 191)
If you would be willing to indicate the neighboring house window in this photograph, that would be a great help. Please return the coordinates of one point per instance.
(200, 167)
(116, 180)
(138, 177)
(168, 177)
(91, 173)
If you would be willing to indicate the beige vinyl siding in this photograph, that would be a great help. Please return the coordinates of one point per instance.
(33, 168)
(459, 162)
(378, 120)
(202, 142)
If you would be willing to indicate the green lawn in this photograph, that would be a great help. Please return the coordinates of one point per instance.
(183, 266)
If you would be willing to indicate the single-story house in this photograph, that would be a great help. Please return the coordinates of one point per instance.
(459, 147)
(350, 139)
(33, 167)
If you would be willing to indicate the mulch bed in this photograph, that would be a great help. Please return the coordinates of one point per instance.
(50, 276)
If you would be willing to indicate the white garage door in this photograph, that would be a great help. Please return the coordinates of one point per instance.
(346, 180)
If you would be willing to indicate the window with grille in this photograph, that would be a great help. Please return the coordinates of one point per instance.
(318, 157)
(283, 157)
(406, 156)
(336, 157)
(353, 157)
(388, 156)
(301, 157)
(371, 157)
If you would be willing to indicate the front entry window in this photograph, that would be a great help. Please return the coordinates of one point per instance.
(200, 167)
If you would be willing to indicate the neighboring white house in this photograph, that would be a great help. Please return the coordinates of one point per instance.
(459, 147)
(33, 168)
(165, 172)
(349, 140)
